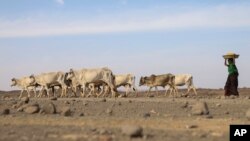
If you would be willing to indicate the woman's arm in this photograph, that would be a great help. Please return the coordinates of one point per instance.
(225, 63)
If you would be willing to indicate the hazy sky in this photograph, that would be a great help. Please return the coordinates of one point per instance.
(141, 37)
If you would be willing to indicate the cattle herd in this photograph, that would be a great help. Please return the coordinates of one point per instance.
(98, 82)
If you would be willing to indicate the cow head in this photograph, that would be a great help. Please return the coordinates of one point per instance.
(142, 81)
(13, 82)
(70, 74)
(32, 79)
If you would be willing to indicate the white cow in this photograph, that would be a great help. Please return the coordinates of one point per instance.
(87, 76)
(127, 80)
(24, 84)
(48, 80)
(185, 79)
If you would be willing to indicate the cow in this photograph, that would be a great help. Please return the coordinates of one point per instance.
(86, 76)
(51, 79)
(127, 80)
(24, 84)
(185, 79)
(163, 80)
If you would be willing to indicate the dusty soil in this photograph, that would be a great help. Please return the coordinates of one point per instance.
(162, 118)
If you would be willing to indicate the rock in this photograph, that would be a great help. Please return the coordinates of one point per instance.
(200, 108)
(132, 131)
(66, 102)
(103, 100)
(66, 111)
(85, 103)
(218, 105)
(119, 103)
(191, 126)
(130, 101)
(146, 115)
(31, 109)
(227, 113)
(248, 114)
(109, 111)
(105, 138)
(209, 116)
(5, 112)
(151, 96)
(247, 97)
(233, 96)
(81, 114)
(103, 132)
(25, 99)
(53, 98)
(185, 105)
(48, 109)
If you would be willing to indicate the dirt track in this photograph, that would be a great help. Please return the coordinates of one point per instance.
(162, 118)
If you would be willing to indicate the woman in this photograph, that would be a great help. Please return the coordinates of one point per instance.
(231, 87)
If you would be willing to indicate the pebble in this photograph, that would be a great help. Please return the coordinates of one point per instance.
(146, 115)
(66, 111)
(109, 111)
(48, 109)
(132, 131)
(191, 126)
(5, 112)
(248, 114)
(31, 109)
(25, 99)
(53, 98)
(200, 108)
(103, 100)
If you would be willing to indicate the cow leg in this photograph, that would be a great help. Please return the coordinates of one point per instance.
(127, 87)
(28, 92)
(83, 91)
(156, 89)
(194, 89)
(34, 89)
(21, 94)
(166, 88)
(41, 92)
(149, 91)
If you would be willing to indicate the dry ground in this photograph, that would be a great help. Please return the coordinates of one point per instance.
(162, 118)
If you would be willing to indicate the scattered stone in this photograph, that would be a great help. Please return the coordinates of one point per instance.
(25, 99)
(103, 132)
(247, 97)
(53, 98)
(105, 138)
(209, 116)
(191, 126)
(151, 96)
(218, 105)
(66, 102)
(31, 109)
(5, 112)
(227, 113)
(48, 109)
(130, 101)
(185, 105)
(109, 111)
(81, 114)
(103, 100)
(153, 111)
(119, 103)
(146, 115)
(132, 131)
(248, 114)
(66, 111)
(85, 103)
(200, 108)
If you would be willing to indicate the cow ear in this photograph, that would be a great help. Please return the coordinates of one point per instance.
(13, 79)
(71, 70)
(32, 76)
